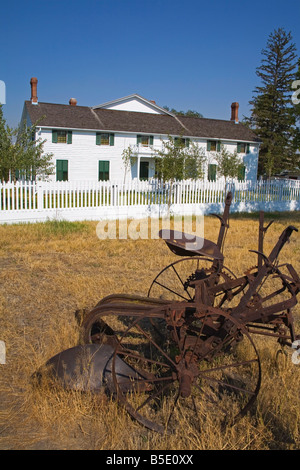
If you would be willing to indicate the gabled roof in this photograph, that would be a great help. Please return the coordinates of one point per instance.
(83, 117)
(135, 96)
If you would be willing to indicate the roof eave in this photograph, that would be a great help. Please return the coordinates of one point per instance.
(224, 139)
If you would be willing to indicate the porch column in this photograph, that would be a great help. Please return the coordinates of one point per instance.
(138, 166)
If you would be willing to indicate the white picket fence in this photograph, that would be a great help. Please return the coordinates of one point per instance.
(40, 201)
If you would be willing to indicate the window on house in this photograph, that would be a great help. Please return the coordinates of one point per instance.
(213, 146)
(144, 170)
(61, 137)
(103, 170)
(212, 172)
(243, 147)
(104, 138)
(61, 170)
(144, 140)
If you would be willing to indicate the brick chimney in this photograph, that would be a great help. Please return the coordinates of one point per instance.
(33, 83)
(235, 112)
(72, 102)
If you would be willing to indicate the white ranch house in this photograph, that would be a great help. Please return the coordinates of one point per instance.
(87, 142)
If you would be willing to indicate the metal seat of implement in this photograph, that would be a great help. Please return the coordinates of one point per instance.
(183, 244)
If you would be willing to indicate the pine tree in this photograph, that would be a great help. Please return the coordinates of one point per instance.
(272, 117)
(296, 110)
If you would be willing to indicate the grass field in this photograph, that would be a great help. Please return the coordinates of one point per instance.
(50, 270)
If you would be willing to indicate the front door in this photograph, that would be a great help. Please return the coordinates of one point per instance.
(144, 170)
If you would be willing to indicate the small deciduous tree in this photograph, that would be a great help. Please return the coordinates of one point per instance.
(6, 135)
(179, 160)
(127, 156)
(25, 157)
(229, 164)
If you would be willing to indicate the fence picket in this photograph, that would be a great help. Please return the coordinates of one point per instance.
(44, 196)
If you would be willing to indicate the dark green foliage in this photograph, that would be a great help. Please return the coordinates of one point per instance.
(22, 154)
(229, 164)
(272, 116)
(189, 112)
(296, 103)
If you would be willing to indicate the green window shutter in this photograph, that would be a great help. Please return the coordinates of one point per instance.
(187, 142)
(208, 146)
(238, 147)
(65, 166)
(69, 137)
(98, 138)
(248, 148)
(212, 172)
(151, 140)
(241, 172)
(54, 137)
(218, 146)
(138, 139)
(103, 170)
(111, 139)
(61, 170)
(58, 170)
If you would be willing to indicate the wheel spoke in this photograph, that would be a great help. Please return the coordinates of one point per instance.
(141, 358)
(153, 396)
(227, 366)
(227, 385)
(156, 345)
(171, 290)
(182, 283)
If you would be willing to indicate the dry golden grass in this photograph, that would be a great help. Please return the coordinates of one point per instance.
(48, 271)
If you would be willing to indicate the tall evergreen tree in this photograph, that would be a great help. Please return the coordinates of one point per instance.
(272, 117)
(296, 110)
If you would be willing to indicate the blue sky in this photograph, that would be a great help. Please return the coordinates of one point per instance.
(199, 55)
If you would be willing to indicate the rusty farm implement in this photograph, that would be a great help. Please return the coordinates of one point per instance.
(187, 348)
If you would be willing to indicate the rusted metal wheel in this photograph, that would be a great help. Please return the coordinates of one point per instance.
(190, 378)
(174, 282)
